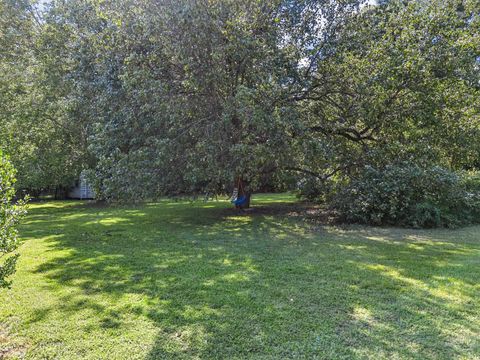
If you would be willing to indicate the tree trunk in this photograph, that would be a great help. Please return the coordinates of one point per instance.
(241, 191)
(247, 203)
(245, 192)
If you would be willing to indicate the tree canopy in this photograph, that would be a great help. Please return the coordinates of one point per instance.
(182, 97)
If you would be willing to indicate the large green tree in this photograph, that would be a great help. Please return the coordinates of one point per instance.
(189, 96)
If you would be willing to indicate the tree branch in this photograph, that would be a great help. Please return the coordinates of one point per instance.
(321, 177)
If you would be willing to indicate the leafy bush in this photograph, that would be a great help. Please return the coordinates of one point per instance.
(311, 189)
(409, 195)
(472, 181)
(426, 215)
(10, 214)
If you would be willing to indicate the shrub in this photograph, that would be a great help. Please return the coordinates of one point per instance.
(426, 215)
(10, 214)
(409, 195)
(472, 181)
(311, 189)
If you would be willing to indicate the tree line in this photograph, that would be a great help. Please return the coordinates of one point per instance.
(164, 97)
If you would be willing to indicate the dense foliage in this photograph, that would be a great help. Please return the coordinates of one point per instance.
(187, 97)
(407, 194)
(10, 214)
(44, 138)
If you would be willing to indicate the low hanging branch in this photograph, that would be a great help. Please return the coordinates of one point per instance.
(349, 133)
(321, 177)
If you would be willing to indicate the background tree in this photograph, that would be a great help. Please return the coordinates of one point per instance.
(37, 126)
(402, 85)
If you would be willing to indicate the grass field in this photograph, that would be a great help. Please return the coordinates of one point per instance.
(182, 280)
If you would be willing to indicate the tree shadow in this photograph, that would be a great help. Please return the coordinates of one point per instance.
(217, 283)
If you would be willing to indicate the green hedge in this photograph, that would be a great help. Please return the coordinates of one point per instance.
(409, 195)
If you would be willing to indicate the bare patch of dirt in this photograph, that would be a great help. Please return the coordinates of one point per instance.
(9, 347)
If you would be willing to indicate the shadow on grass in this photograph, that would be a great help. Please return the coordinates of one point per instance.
(220, 284)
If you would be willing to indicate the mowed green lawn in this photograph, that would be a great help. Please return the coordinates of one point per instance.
(183, 280)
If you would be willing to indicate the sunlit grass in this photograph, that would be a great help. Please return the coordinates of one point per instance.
(176, 279)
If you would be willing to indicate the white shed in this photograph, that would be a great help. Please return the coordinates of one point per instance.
(82, 189)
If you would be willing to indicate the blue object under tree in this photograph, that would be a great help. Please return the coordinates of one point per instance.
(240, 201)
